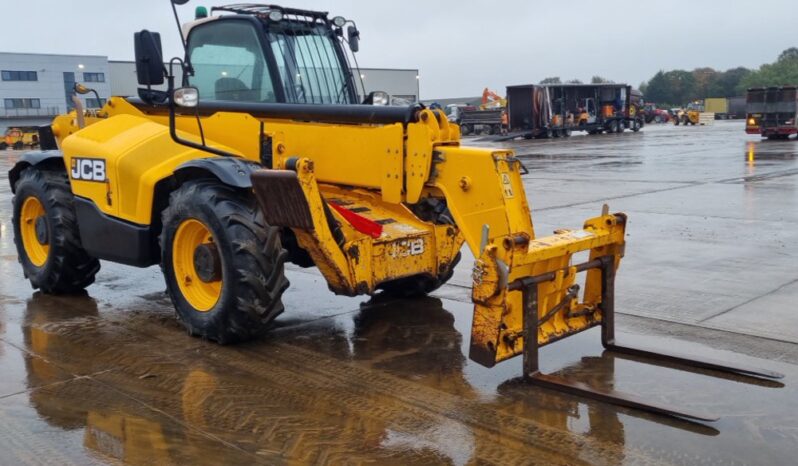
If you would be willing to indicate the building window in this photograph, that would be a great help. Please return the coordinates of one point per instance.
(23, 103)
(19, 75)
(69, 88)
(92, 103)
(94, 77)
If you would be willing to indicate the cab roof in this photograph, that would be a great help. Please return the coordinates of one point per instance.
(262, 10)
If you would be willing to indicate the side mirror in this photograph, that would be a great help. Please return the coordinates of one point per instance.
(353, 36)
(81, 89)
(149, 58)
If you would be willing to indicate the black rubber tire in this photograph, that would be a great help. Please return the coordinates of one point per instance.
(465, 130)
(621, 127)
(636, 126)
(3, 146)
(69, 268)
(252, 262)
(435, 211)
(613, 127)
(566, 133)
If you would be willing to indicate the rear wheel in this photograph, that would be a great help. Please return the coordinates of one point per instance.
(224, 267)
(46, 234)
(613, 127)
(465, 130)
(636, 125)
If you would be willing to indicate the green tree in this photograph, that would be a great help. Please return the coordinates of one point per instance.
(781, 73)
(705, 81)
(552, 80)
(600, 80)
(574, 81)
(789, 54)
(726, 83)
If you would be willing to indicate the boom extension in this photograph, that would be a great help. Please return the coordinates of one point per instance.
(525, 289)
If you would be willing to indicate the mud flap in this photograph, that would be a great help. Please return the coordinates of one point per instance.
(281, 199)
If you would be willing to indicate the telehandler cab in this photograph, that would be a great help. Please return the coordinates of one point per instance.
(267, 154)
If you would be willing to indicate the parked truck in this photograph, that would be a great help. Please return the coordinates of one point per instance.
(771, 112)
(473, 120)
(545, 111)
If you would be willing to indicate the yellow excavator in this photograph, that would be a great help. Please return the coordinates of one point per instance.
(267, 153)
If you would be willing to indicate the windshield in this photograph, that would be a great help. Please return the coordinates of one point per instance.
(310, 64)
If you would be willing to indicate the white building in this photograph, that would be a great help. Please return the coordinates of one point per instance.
(401, 85)
(36, 87)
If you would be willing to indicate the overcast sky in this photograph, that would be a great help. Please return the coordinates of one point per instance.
(461, 46)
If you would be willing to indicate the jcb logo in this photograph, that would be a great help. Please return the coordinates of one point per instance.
(406, 248)
(88, 169)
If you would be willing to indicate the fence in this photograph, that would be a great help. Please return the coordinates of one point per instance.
(29, 112)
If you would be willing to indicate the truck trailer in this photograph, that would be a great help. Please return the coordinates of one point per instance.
(772, 112)
(545, 111)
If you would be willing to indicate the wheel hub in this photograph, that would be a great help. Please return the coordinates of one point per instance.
(207, 263)
(42, 235)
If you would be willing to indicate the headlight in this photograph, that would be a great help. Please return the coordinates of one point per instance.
(751, 122)
(339, 21)
(187, 97)
(380, 98)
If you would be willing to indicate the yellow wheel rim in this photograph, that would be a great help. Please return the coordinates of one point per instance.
(202, 296)
(37, 252)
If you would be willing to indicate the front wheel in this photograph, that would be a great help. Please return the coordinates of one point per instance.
(223, 265)
(46, 234)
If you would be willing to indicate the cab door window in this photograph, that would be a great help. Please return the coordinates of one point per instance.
(229, 63)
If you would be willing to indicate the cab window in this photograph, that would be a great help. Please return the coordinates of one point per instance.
(229, 63)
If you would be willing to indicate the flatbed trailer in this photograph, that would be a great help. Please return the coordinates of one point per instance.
(545, 111)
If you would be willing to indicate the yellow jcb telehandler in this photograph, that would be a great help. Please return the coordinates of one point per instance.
(267, 153)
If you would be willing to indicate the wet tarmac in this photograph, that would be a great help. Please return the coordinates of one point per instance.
(710, 269)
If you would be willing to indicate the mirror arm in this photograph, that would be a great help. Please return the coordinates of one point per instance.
(173, 126)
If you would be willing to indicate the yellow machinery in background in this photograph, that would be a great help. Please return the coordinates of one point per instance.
(19, 138)
(223, 182)
(693, 115)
